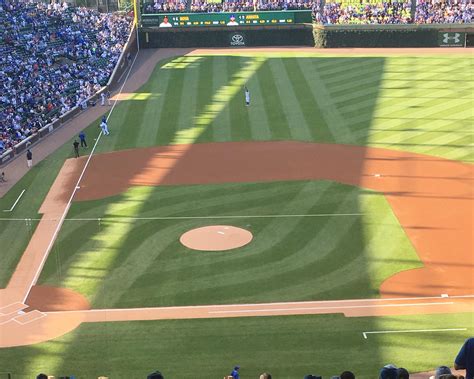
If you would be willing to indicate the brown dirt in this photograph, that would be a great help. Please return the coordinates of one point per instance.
(48, 299)
(216, 238)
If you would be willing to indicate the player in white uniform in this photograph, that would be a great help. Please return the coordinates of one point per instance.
(103, 126)
(247, 96)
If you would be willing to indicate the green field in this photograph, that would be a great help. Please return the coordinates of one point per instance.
(414, 103)
(124, 261)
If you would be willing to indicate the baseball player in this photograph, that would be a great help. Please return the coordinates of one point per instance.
(103, 126)
(247, 96)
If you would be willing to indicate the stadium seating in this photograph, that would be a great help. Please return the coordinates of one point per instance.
(51, 59)
(332, 12)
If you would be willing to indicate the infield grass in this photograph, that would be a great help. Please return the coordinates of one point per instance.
(121, 261)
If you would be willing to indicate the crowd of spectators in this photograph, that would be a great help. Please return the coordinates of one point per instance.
(335, 12)
(437, 12)
(168, 6)
(52, 58)
(374, 13)
(212, 6)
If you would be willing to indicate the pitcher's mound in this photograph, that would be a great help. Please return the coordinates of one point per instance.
(216, 238)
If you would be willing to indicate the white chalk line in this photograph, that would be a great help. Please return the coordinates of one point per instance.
(412, 331)
(39, 317)
(331, 308)
(185, 307)
(189, 217)
(76, 187)
(16, 202)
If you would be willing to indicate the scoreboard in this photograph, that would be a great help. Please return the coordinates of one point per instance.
(183, 20)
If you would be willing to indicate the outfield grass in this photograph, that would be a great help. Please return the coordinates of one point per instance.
(417, 104)
(288, 347)
(134, 263)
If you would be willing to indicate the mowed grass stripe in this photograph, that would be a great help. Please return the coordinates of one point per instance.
(147, 133)
(277, 121)
(259, 124)
(356, 93)
(169, 113)
(385, 124)
(203, 94)
(446, 109)
(316, 128)
(292, 107)
(411, 128)
(221, 124)
(186, 108)
(239, 117)
(419, 131)
(338, 125)
(335, 66)
(372, 68)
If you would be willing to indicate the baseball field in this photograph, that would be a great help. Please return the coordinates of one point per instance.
(326, 226)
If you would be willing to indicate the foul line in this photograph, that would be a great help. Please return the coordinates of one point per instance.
(76, 187)
(336, 307)
(188, 217)
(16, 202)
(203, 306)
(412, 331)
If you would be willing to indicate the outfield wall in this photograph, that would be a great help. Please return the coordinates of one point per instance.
(216, 36)
(321, 36)
(442, 35)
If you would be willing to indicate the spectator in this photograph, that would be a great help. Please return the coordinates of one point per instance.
(440, 372)
(403, 373)
(389, 372)
(235, 372)
(437, 12)
(347, 375)
(465, 358)
(155, 375)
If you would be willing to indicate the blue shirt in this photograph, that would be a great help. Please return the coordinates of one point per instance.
(465, 358)
(235, 374)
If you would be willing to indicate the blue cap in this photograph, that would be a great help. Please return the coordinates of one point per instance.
(389, 372)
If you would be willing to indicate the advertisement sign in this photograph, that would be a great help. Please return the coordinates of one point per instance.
(451, 39)
(237, 40)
